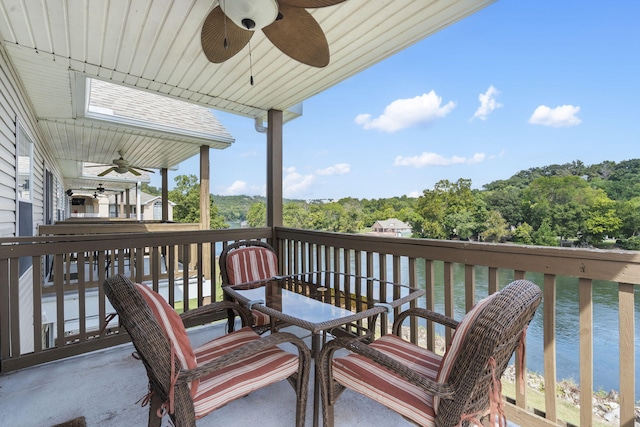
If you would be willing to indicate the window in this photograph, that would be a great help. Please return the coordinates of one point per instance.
(24, 190)
(25, 165)
(157, 210)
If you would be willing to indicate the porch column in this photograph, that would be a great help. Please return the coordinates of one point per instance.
(127, 206)
(164, 174)
(138, 202)
(205, 209)
(274, 169)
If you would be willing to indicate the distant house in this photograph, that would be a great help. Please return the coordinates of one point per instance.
(391, 226)
(150, 207)
(87, 205)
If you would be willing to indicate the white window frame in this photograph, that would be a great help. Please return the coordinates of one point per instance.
(23, 137)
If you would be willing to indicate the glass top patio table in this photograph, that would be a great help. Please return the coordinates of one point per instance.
(323, 302)
(320, 301)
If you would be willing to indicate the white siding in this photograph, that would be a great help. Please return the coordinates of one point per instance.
(14, 106)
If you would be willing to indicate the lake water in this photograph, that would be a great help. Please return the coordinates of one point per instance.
(606, 370)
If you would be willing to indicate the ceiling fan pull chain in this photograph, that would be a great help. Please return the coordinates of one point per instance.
(225, 43)
(250, 65)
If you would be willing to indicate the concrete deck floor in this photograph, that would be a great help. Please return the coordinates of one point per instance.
(104, 387)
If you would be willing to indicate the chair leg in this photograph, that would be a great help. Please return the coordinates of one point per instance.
(154, 406)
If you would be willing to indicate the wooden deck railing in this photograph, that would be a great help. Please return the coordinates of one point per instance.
(159, 258)
(400, 260)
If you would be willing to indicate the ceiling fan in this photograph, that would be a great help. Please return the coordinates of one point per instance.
(290, 27)
(122, 166)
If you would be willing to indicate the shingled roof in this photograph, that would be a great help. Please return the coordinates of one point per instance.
(155, 110)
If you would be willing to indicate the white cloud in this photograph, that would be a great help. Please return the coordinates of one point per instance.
(295, 184)
(404, 113)
(415, 194)
(239, 188)
(488, 103)
(337, 169)
(563, 116)
(434, 159)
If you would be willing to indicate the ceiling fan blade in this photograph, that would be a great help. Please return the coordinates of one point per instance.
(135, 172)
(299, 36)
(309, 3)
(216, 27)
(142, 169)
(103, 173)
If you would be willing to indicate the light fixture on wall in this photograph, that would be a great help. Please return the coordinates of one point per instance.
(69, 192)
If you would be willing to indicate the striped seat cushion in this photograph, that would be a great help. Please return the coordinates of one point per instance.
(378, 383)
(173, 329)
(239, 379)
(251, 264)
(459, 336)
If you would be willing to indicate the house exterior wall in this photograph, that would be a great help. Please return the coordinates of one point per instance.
(15, 109)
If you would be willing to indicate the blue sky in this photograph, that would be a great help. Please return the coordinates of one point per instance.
(520, 84)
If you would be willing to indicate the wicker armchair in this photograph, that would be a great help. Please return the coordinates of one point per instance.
(189, 383)
(248, 261)
(459, 388)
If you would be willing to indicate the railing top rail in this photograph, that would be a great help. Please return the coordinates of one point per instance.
(615, 265)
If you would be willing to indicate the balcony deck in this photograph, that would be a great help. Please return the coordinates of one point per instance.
(585, 329)
(104, 386)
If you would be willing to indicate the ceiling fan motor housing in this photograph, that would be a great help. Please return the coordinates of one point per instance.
(250, 14)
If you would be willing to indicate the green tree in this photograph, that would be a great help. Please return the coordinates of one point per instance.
(496, 228)
(629, 213)
(545, 236)
(186, 196)
(294, 215)
(602, 220)
(445, 201)
(257, 215)
(523, 234)
(154, 191)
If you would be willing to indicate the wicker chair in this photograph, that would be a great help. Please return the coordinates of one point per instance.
(459, 388)
(189, 383)
(248, 261)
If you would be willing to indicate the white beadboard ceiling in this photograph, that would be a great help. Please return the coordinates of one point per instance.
(154, 46)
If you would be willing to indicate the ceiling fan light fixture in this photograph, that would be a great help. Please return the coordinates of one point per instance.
(251, 14)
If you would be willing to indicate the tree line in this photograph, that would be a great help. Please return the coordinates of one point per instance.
(571, 203)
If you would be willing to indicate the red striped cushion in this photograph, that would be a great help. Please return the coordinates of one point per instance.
(372, 380)
(250, 264)
(239, 379)
(259, 318)
(173, 328)
(459, 335)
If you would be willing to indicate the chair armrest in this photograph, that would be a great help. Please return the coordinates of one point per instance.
(253, 347)
(425, 314)
(325, 357)
(214, 307)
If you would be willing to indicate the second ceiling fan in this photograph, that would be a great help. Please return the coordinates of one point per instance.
(286, 23)
(120, 165)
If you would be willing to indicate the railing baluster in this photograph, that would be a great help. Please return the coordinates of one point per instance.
(627, 354)
(430, 298)
(448, 298)
(549, 301)
(413, 282)
(82, 303)
(36, 278)
(586, 350)
(469, 286)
